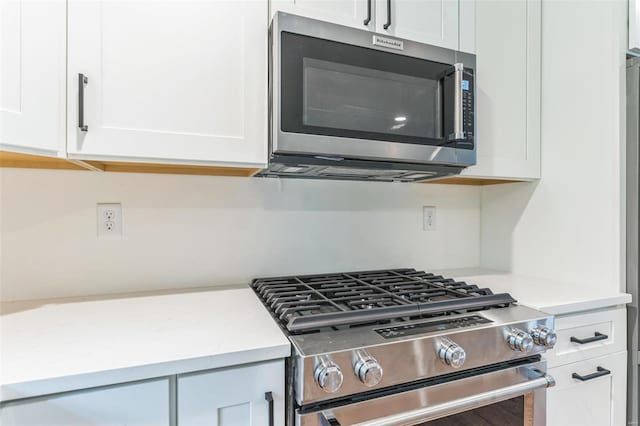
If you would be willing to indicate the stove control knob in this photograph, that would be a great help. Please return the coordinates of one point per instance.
(520, 340)
(328, 376)
(544, 337)
(367, 369)
(452, 354)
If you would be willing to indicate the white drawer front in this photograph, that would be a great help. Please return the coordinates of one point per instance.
(601, 333)
(598, 400)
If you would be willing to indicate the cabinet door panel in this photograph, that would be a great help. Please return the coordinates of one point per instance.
(170, 80)
(232, 397)
(592, 402)
(427, 21)
(351, 13)
(140, 404)
(32, 76)
(610, 323)
(507, 44)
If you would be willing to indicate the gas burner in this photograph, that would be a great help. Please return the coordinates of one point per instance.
(311, 303)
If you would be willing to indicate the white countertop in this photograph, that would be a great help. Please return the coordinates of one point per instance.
(65, 344)
(553, 297)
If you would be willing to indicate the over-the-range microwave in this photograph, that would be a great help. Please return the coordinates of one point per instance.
(351, 104)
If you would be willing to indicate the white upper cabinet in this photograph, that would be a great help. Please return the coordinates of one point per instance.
(426, 21)
(32, 76)
(181, 82)
(634, 25)
(467, 26)
(507, 44)
(352, 13)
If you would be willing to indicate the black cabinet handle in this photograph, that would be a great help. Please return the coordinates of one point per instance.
(388, 24)
(596, 336)
(82, 81)
(366, 21)
(601, 372)
(268, 396)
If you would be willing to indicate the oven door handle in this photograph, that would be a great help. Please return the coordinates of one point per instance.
(327, 418)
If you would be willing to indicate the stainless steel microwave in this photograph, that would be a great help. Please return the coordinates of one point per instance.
(352, 104)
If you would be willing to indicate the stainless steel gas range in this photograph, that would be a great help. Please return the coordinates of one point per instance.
(405, 347)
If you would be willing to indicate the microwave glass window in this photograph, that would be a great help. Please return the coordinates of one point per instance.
(329, 88)
(367, 100)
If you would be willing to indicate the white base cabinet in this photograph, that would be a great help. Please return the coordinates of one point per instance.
(594, 401)
(33, 76)
(232, 397)
(138, 404)
(589, 364)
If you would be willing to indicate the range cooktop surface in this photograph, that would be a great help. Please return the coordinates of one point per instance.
(313, 303)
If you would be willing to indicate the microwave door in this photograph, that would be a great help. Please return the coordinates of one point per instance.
(337, 99)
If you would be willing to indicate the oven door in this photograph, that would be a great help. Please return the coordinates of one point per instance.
(513, 396)
(343, 92)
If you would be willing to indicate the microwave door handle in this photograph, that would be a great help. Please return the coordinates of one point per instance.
(327, 418)
(458, 112)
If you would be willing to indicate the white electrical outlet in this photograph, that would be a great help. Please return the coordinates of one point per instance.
(429, 218)
(109, 219)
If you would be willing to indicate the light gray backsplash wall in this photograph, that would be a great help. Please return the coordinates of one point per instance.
(194, 231)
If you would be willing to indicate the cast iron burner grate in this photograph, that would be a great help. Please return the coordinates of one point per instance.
(309, 303)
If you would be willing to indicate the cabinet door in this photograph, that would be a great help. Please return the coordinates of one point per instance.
(634, 25)
(599, 401)
(32, 76)
(507, 44)
(427, 21)
(232, 397)
(352, 13)
(169, 81)
(140, 404)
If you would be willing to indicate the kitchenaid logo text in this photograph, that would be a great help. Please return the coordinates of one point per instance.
(388, 42)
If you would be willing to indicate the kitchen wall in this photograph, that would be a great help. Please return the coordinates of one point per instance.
(567, 226)
(192, 231)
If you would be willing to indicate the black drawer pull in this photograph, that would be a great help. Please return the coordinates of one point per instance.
(601, 372)
(596, 336)
(268, 396)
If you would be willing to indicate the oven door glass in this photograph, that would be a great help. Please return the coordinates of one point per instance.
(341, 90)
